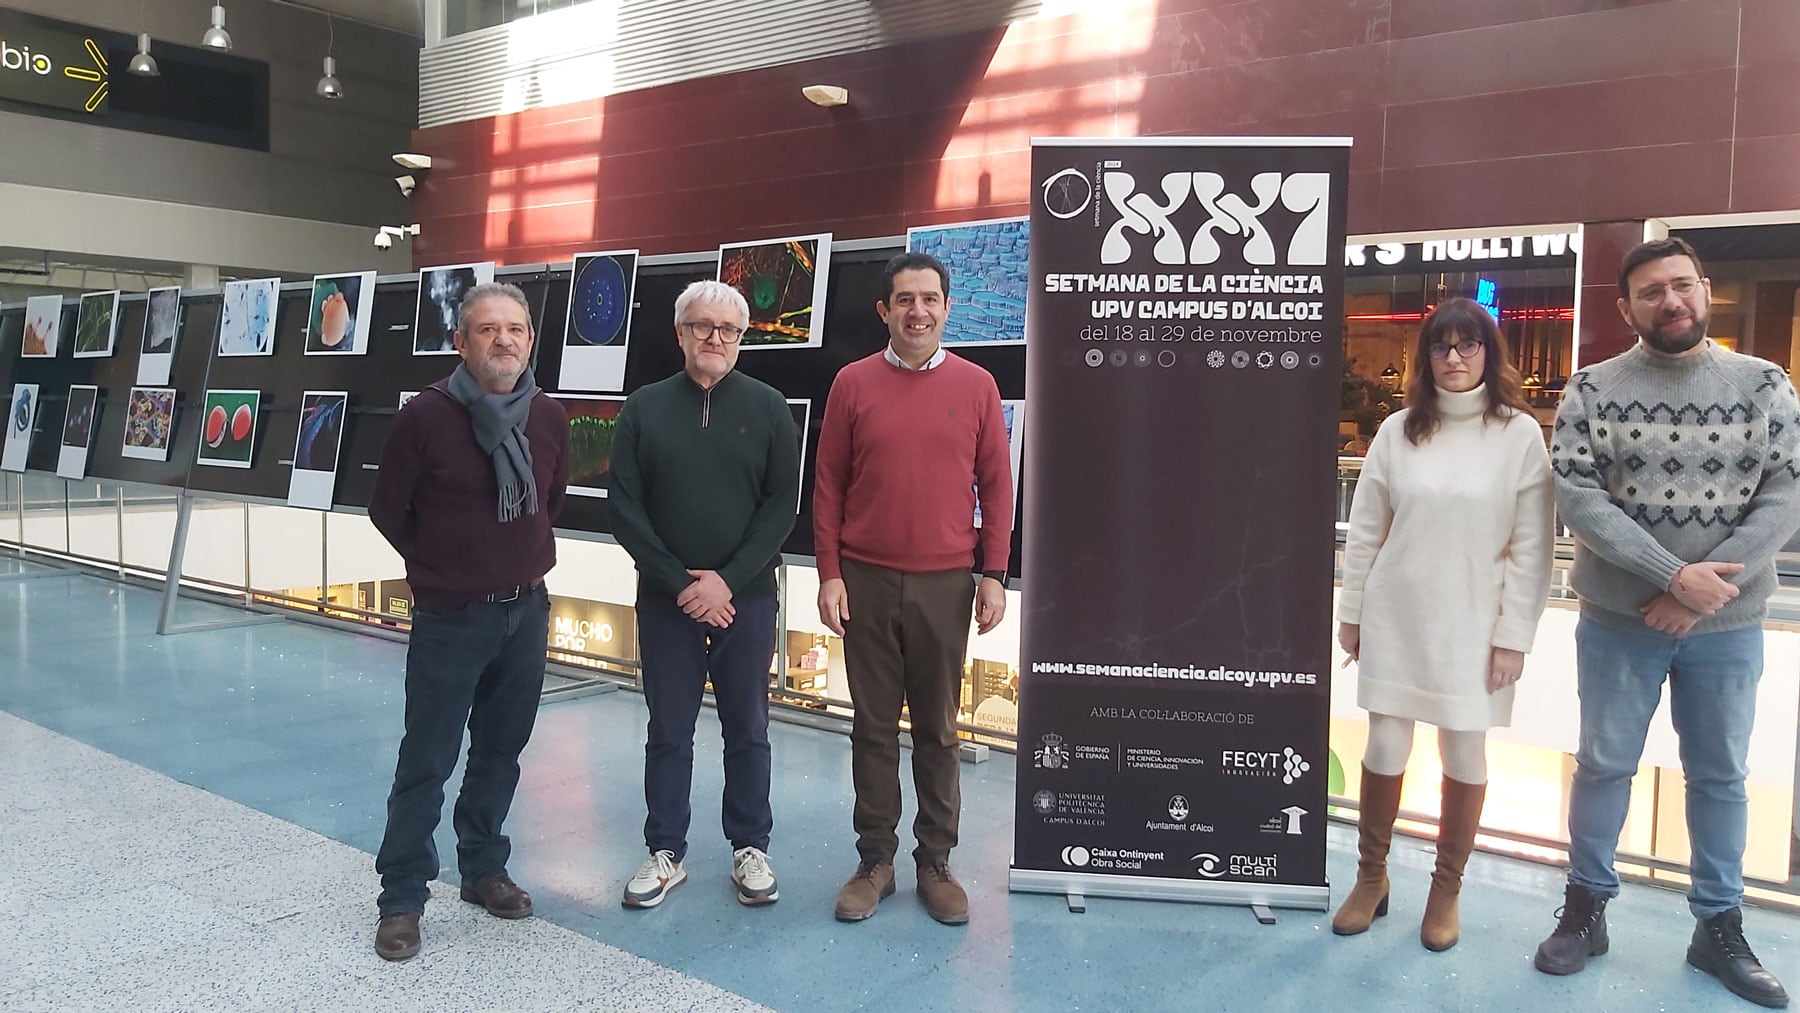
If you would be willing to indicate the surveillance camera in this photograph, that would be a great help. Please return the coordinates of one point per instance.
(406, 184)
(383, 241)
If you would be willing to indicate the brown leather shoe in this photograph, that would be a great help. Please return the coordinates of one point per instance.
(397, 936)
(944, 896)
(863, 893)
(501, 896)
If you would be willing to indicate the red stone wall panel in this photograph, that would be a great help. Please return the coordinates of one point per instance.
(1465, 113)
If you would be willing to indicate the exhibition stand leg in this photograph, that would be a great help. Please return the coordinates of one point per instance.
(165, 620)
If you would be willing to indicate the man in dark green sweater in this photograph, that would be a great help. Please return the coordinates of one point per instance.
(705, 482)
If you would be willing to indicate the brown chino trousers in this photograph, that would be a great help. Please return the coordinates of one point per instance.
(904, 644)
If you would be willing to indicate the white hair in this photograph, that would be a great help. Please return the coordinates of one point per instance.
(709, 291)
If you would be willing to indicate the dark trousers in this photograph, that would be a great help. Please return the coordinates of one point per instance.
(483, 668)
(680, 656)
(904, 644)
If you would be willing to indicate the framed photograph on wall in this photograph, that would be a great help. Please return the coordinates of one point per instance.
(593, 420)
(43, 319)
(228, 428)
(441, 291)
(598, 327)
(322, 417)
(96, 325)
(149, 423)
(78, 431)
(162, 324)
(247, 317)
(21, 421)
(337, 318)
(988, 277)
(783, 280)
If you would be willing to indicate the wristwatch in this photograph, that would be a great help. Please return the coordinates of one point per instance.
(999, 575)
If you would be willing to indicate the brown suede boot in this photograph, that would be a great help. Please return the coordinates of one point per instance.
(1457, 820)
(1368, 899)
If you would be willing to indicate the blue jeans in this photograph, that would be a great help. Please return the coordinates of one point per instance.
(1712, 702)
(483, 667)
(680, 656)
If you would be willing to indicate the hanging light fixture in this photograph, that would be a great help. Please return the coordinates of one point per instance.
(329, 86)
(143, 64)
(217, 37)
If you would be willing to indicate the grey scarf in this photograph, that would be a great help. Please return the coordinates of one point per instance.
(500, 429)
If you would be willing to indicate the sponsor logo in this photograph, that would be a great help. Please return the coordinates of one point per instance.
(1111, 858)
(1147, 214)
(1147, 758)
(1286, 822)
(1288, 764)
(1052, 753)
(1212, 866)
(1070, 808)
(1178, 808)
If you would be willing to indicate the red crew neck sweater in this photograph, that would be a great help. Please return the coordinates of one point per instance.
(901, 453)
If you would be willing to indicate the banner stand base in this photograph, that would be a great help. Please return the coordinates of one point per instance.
(1260, 898)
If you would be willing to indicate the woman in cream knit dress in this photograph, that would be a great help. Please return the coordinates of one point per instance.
(1446, 569)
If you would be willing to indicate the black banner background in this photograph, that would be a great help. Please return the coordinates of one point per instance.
(1178, 530)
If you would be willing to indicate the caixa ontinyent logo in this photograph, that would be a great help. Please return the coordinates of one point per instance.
(1307, 194)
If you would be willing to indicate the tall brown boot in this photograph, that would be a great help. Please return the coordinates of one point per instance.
(1457, 820)
(1368, 899)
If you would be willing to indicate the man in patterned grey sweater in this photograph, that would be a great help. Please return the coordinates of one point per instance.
(1675, 468)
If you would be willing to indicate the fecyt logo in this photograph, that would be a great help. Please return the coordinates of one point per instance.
(1287, 764)
(1303, 193)
(21, 58)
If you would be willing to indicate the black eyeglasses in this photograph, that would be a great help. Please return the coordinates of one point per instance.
(1465, 348)
(700, 330)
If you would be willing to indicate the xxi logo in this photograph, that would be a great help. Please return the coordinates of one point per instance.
(1303, 193)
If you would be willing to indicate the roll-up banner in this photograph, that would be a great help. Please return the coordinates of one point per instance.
(1184, 346)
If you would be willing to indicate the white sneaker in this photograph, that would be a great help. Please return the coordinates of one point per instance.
(754, 878)
(659, 874)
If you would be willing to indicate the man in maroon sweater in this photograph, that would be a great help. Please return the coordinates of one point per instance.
(911, 435)
(472, 474)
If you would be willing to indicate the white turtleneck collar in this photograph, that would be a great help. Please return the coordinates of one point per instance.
(1462, 404)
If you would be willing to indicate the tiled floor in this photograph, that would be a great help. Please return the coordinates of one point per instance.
(218, 858)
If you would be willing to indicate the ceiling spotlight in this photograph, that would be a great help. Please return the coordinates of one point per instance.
(329, 86)
(410, 160)
(143, 64)
(217, 37)
(826, 95)
(406, 185)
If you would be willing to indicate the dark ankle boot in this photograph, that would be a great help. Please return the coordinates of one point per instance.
(1580, 933)
(1458, 819)
(1368, 900)
(1720, 950)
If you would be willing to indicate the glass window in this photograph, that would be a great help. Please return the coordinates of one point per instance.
(462, 16)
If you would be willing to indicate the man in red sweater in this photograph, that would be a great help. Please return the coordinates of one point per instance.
(912, 435)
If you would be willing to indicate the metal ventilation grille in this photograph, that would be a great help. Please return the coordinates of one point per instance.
(609, 46)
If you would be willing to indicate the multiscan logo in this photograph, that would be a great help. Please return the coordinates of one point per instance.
(21, 58)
